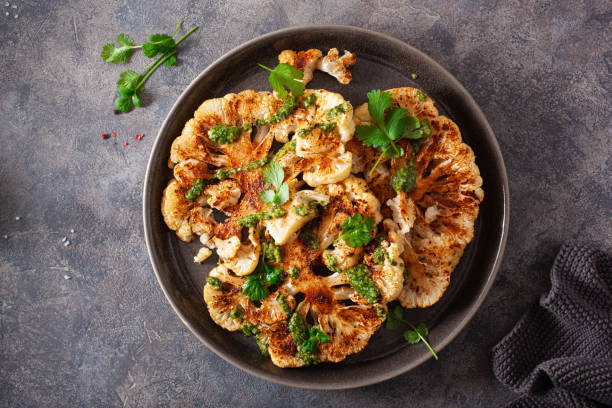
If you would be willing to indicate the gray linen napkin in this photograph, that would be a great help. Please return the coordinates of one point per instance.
(559, 354)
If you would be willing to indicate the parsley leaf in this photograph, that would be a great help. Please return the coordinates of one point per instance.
(272, 274)
(392, 124)
(285, 75)
(417, 333)
(119, 55)
(314, 335)
(356, 230)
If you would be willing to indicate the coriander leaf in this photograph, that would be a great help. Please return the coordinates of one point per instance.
(282, 195)
(158, 44)
(285, 75)
(125, 40)
(422, 329)
(393, 151)
(356, 230)
(274, 174)
(124, 91)
(395, 318)
(272, 274)
(412, 336)
(136, 100)
(377, 104)
(267, 196)
(254, 286)
(119, 55)
(412, 130)
(372, 136)
(128, 79)
(395, 123)
(123, 103)
(321, 337)
(171, 61)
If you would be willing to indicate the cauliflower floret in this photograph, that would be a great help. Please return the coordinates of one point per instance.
(389, 276)
(175, 209)
(404, 211)
(219, 302)
(203, 223)
(246, 257)
(357, 191)
(303, 60)
(337, 66)
(316, 143)
(281, 229)
(344, 255)
(227, 248)
(223, 195)
(202, 255)
(326, 170)
(189, 170)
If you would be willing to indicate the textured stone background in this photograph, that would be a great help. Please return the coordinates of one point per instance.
(107, 336)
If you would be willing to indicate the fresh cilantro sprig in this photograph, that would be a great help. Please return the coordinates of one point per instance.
(130, 82)
(285, 75)
(356, 231)
(417, 333)
(274, 174)
(255, 285)
(392, 124)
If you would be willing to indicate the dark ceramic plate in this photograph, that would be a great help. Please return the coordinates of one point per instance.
(382, 62)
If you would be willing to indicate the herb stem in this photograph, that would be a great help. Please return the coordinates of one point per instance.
(264, 67)
(187, 34)
(378, 161)
(177, 28)
(422, 339)
(156, 65)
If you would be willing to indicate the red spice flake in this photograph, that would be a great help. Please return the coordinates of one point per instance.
(113, 134)
(104, 136)
(126, 143)
(139, 136)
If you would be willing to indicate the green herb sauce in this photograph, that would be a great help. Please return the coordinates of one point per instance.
(299, 333)
(263, 346)
(272, 251)
(293, 272)
(421, 96)
(237, 313)
(359, 278)
(222, 174)
(286, 109)
(337, 110)
(286, 148)
(404, 178)
(249, 330)
(225, 134)
(308, 237)
(198, 187)
(214, 282)
(282, 301)
(304, 210)
(254, 219)
(310, 100)
(332, 263)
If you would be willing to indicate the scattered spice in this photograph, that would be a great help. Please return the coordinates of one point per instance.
(67, 277)
(414, 76)
(139, 136)
(104, 136)
(72, 231)
(5, 236)
(66, 243)
(64, 239)
(113, 134)
(17, 218)
(126, 143)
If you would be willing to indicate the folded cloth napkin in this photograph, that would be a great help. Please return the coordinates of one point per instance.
(560, 353)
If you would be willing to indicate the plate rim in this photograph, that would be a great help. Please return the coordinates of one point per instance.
(357, 382)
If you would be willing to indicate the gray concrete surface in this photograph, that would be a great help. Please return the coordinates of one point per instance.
(107, 337)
